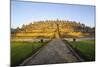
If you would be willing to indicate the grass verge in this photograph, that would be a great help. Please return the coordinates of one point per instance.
(22, 50)
(86, 49)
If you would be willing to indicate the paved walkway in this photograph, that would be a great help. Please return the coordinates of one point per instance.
(54, 52)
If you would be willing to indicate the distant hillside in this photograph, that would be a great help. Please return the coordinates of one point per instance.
(51, 29)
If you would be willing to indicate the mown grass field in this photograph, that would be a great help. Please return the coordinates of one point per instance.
(85, 48)
(22, 50)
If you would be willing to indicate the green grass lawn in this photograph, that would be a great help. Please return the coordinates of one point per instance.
(22, 50)
(85, 48)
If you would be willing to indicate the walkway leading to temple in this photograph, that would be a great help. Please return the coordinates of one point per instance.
(55, 51)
